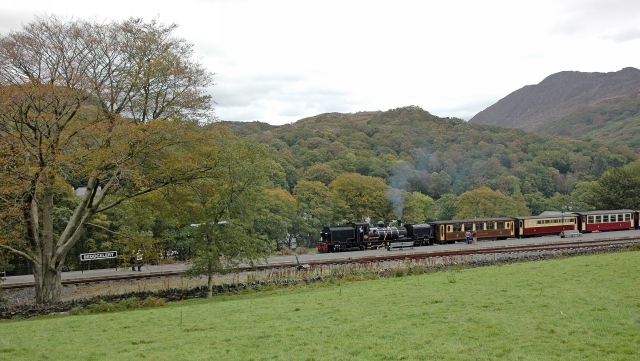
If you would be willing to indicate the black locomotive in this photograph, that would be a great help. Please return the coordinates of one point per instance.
(361, 236)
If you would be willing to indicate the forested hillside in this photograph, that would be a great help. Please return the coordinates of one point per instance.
(416, 151)
(613, 121)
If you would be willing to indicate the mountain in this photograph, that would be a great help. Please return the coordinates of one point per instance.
(567, 103)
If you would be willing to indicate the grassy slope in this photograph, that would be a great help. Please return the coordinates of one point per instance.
(584, 308)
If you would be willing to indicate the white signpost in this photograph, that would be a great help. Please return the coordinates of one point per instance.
(99, 256)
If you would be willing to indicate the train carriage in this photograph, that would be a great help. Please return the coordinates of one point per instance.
(488, 228)
(546, 224)
(611, 220)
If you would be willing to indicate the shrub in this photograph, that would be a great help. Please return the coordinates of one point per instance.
(153, 302)
(101, 306)
(302, 250)
(127, 304)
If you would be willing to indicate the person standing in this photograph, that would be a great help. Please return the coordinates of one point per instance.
(139, 260)
(467, 236)
(132, 261)
(474, 235)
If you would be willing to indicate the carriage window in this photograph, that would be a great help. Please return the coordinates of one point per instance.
(591, 219)
(468, 227)
(627, 216)
(605, 218)
(613, 218)
(456, 228)
(479, 226)
(491, 225)
(598, 219)
(500, 225)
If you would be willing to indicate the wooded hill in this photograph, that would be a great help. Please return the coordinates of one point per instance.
(414, 150)
(602, 106)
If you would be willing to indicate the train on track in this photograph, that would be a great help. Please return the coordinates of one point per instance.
(362, 235)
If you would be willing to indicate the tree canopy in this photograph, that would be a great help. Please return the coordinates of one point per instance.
(618, 188)
(486, 203)
(102, 105)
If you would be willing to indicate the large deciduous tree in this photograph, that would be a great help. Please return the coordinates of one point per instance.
(314, 210)
(357, 197)
(106, 105)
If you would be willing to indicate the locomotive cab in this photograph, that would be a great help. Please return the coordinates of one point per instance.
(351, 236)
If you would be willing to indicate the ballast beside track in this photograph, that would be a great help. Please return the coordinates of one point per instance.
(367, 257)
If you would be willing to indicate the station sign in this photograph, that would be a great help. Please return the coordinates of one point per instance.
(98, 255)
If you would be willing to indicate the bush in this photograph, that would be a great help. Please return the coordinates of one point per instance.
(302, 250)
(153, 302)
(101, 306)
(127, 304)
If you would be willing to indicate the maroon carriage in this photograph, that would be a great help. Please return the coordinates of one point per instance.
(612, 220)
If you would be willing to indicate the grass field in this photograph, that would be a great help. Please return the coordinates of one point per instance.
(582, 308)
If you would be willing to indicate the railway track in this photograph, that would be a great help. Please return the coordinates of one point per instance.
(364, 257)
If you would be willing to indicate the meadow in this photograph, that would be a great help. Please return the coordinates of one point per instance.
(579, 308)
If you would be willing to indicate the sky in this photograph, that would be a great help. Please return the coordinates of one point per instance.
(280, 61)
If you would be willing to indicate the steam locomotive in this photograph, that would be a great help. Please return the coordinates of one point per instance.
(361, 236)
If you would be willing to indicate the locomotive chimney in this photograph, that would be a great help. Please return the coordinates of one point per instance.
(399, 223)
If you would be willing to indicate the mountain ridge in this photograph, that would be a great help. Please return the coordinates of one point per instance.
(535, 107)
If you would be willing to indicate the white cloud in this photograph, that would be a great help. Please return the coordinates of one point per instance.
(279, 61)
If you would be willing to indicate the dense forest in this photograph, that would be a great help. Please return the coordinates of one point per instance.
(412, 150)
(614, 121)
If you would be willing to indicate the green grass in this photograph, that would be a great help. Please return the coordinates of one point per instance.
(581, 308)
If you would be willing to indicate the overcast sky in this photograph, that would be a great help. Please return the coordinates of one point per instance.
(279, 61)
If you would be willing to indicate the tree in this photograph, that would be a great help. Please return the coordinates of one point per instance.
(445, 209)
(440, 184)
(225, 209)
(363, 196)
(109, 105)
(320, 172)
(485, 203)
(314, 210)
(418, 208)
(275, 216)
(618, 188)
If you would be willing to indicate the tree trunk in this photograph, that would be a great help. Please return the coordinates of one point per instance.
(48, 284)
(209, 285)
